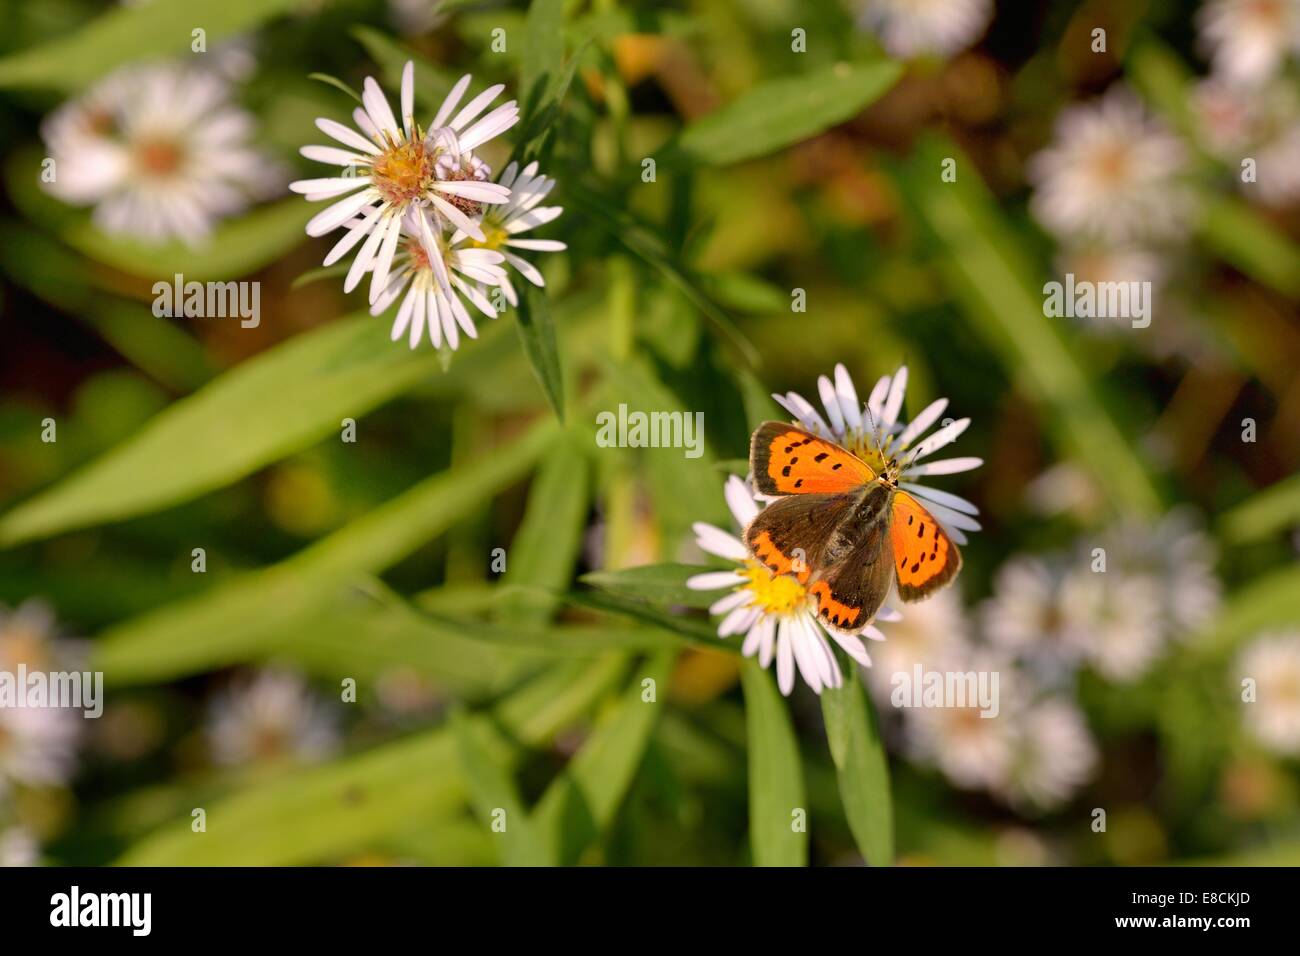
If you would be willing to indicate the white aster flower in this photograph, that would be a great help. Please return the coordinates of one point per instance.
(37, 746)
(1113, 618)
(403, 167)
(933, 633)
(1249, 40)
(908, 28)
(502, 224)
(1272, 661)
(433, 286)
(878, 435)
(159, 151)
(972, 750)
(272, 716)
(1112, 175)
(1260, 123)
(1053, 755)
(1180, 557)
(774, 611)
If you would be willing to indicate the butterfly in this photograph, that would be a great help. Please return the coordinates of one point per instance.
(845, 532)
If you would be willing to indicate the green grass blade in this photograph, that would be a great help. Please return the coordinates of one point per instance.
(778, 810)
(859, 757)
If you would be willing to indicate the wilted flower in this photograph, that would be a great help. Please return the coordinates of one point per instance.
(913, 27)
(1272, 661)
(775, 612)
(159, 151)
(1111, 175)
(269, 717)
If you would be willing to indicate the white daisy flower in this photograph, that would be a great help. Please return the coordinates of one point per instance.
(879, 435)
(269, 717)
(1249, 40)
(1180, 557)
(1100, 263)
(1259, 123)
(159, 151)
(1053, 755)
(502, 224)
(37, 746)
(403, 167)
(1272, 661)
(908, 28)
(434, 285)
(775, 612)
(1112, 174)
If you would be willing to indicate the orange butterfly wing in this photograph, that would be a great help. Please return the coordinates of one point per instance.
(786, 460)
(925, 558)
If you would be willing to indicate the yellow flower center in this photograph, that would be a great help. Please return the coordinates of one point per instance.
(494, 237)
(774, 593)
(402, 173)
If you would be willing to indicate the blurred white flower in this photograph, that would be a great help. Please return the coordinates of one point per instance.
(1180, 557)
(159, 151)
(879, 435)
(1260, 123)
(18, 847)
(271, 716)
(1112, 175)
(403, 167)
(1272, 661)
(1025, 614)
(38, 746)
(503, 223)
(908, 28)
(1053, 755)
(426, 305)
(972, 750)
(933, 633)
(1113, 618)
(774, 611)
(1249, 40)
(413, 17)
(1101, 263)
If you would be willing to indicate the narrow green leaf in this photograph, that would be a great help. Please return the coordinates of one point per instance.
(778, 810)
(277, 403)
(1269, 602)
(543, 56)
(494, 795)
(335, 82)
(859, 756)
(580, 804)
(1245, 240)
(695, 631)
(130, 33)
(321, 814)
(250, 614)
(537, 333)
(663, 584)
(988, 272)
(1270, 511)
(779, 113)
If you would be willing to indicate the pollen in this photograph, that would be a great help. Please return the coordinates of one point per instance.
(403, 172)
(774, 593)
(494, 237)
(158, 157)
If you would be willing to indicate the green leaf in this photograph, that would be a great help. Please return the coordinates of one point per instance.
(277, 403)
(663, 584)
(776, 791)
(695, 631)
(537, 333)
(1272, 601)
(859, 757)
(543, 55)
(320, 814)
(335, 82)
(130, 33)
(486, 770)
(580, 804)
(988, 272)
(779, 113)
(248, 615)
(1270, 511)
(1260, 250)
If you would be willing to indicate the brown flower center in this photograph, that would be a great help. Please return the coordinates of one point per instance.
(159, 157)
(402, 173)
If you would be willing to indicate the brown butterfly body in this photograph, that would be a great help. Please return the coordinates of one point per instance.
(847, 533)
